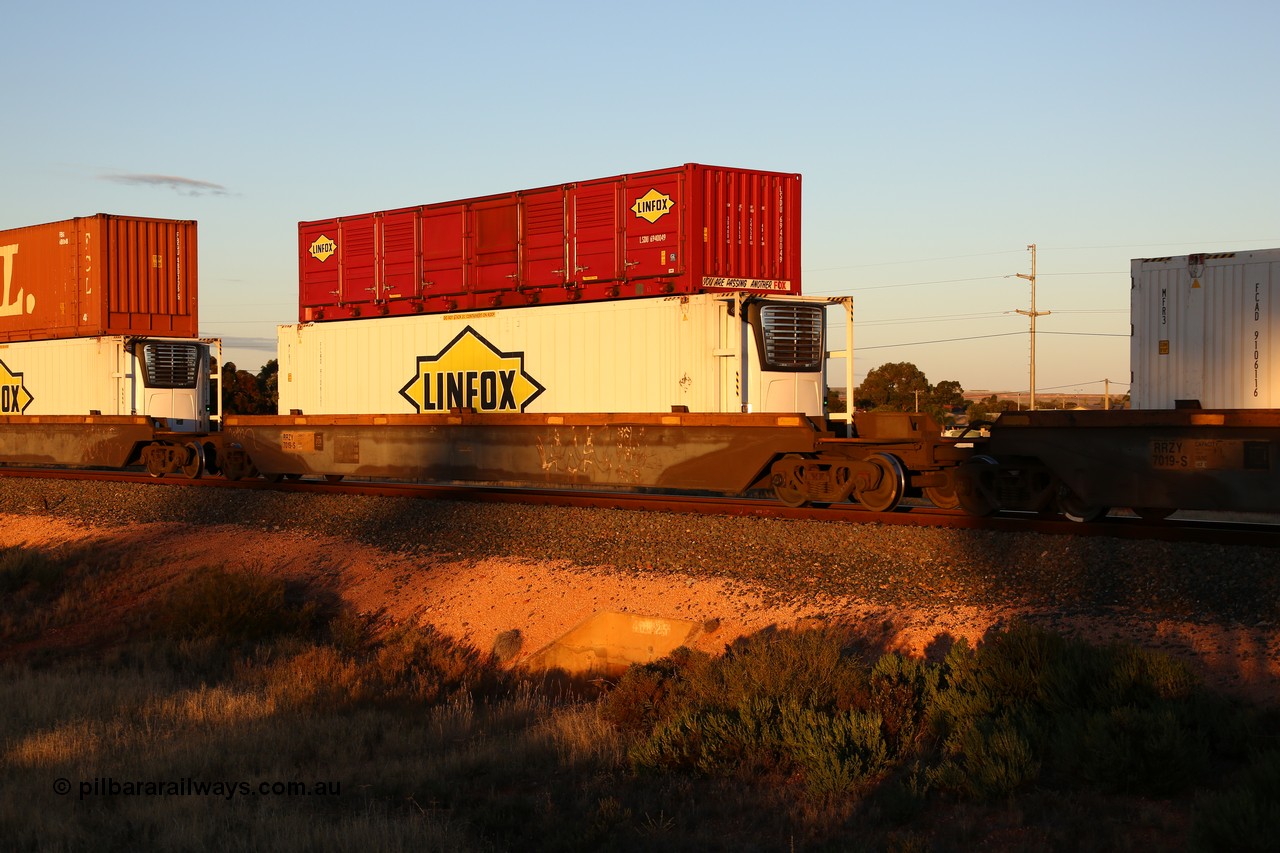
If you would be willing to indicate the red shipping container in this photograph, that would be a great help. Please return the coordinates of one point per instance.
(98, 275)
(688, 229)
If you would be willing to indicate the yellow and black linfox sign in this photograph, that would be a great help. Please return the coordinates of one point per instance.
(322, 247)
(14, 396)
(471, 373)
(653, 205)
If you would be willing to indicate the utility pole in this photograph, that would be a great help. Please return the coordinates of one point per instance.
(1033, 314)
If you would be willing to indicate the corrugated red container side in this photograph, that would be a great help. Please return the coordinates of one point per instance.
(99, 275)
(688, 229)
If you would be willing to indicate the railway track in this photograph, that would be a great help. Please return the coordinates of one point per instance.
(1262, 531)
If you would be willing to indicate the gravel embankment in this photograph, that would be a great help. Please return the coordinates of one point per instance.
(780, 560)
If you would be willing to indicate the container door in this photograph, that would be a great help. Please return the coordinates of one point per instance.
(1189, 319)
(318, 260)
(653, 219)
(443, 264)
(594, 232)
(399, 255)
(358, 261)
(495, 244)
(543, 247)
(751, 229)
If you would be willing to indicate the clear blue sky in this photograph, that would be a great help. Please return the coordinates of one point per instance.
(936, 140)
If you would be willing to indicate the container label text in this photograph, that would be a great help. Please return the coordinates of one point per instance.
(14, 396)
(471, 373)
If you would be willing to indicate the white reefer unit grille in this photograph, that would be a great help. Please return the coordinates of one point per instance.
(108, 375)
(700, 351)
(1205, 329)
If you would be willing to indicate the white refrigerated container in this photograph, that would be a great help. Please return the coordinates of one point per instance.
(713, 353)
(1205, 330)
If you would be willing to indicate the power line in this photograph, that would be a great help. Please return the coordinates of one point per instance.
(1089, 334)
(1258, 240)
(985, 337)
(1088, 382)
(985, 315)
(922, 283)
(857, 288)
(940, 341)
(937, 318)
(914, 261)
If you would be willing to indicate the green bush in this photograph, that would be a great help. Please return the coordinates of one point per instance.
(833, 753)
(903, 691)
(1130, 749)
(420, 665)
(786, 705)
(1024, 707)
(814, 669)
(990, 759)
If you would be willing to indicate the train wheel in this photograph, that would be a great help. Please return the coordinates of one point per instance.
(194, 466)
(157, 461)
(886, 494)
(943, 497)
(1070, 505)
(235, 463)
(972, 494)
(788, 480)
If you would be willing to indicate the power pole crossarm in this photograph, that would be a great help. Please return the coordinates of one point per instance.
(1033, 314)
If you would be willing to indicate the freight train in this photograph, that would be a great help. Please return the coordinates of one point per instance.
(646, 331)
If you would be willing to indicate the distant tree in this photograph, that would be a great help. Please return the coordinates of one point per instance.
(269, 385)
(892, 387)
(903, 387)
(837, 400)
(980, 410)
(246, 394)
(988, 408)
(946, 400)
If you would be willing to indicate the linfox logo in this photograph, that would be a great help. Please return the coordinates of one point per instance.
(14, 305)
(652, 206)
(322, 248)
(471, 373)
(14, 396)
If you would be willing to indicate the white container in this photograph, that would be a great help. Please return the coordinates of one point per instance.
(1206, 328)
(111, 375)
(635, 355)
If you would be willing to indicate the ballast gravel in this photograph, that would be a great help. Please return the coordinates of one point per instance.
(785, 564)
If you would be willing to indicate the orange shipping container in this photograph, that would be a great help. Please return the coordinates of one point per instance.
(98, 275)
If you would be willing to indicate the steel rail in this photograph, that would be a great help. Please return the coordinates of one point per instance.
(1259, 533)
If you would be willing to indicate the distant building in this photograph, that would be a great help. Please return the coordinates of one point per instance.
(1045, 400)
